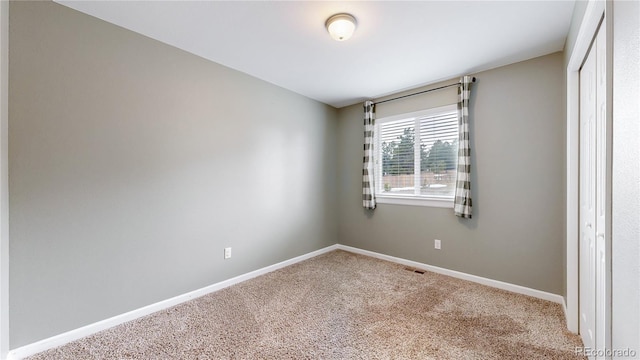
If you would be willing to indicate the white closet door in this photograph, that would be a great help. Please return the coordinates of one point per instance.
(587, 278)
(602, 270)
(594, 297)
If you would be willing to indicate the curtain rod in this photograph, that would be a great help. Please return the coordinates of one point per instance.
(421, 92)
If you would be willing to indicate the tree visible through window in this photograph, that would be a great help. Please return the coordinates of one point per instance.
(421, 163)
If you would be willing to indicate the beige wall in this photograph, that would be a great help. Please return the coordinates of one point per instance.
(4, 186)
(133, 164)
(516, 234)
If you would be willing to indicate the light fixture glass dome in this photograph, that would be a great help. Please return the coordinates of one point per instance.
(341, 26)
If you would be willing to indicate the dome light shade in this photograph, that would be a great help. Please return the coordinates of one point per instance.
(341, 26)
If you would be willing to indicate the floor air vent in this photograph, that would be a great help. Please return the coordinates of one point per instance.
(417, 271)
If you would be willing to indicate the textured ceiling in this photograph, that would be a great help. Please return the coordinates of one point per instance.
(398, 45)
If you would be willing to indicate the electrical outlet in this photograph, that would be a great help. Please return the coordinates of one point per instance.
(227, 253)
(436, 244)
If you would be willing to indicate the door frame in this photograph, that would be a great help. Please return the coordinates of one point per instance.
(595, 13)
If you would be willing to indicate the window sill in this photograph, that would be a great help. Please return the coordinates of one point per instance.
(415, 201)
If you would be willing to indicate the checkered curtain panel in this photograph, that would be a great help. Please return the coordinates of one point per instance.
(368, 189)
(462, 202)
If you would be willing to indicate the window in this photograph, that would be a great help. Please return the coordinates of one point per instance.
(416, 157)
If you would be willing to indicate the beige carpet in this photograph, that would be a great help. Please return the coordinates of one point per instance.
(341, 306)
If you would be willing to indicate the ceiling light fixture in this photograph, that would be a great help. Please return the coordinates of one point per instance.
(341, 26)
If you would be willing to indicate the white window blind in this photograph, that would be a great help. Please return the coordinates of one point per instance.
(416, 154)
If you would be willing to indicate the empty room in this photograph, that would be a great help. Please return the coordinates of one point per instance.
(320, 179)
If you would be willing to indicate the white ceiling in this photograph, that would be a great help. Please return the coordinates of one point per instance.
(398, 45)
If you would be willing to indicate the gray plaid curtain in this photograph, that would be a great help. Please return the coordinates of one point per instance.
(368, 189)
(462, 202)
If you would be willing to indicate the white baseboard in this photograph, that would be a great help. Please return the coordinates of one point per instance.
(460, 275)
(564, 311)
(67, 337)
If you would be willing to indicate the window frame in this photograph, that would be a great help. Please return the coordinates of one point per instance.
(408, 199)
